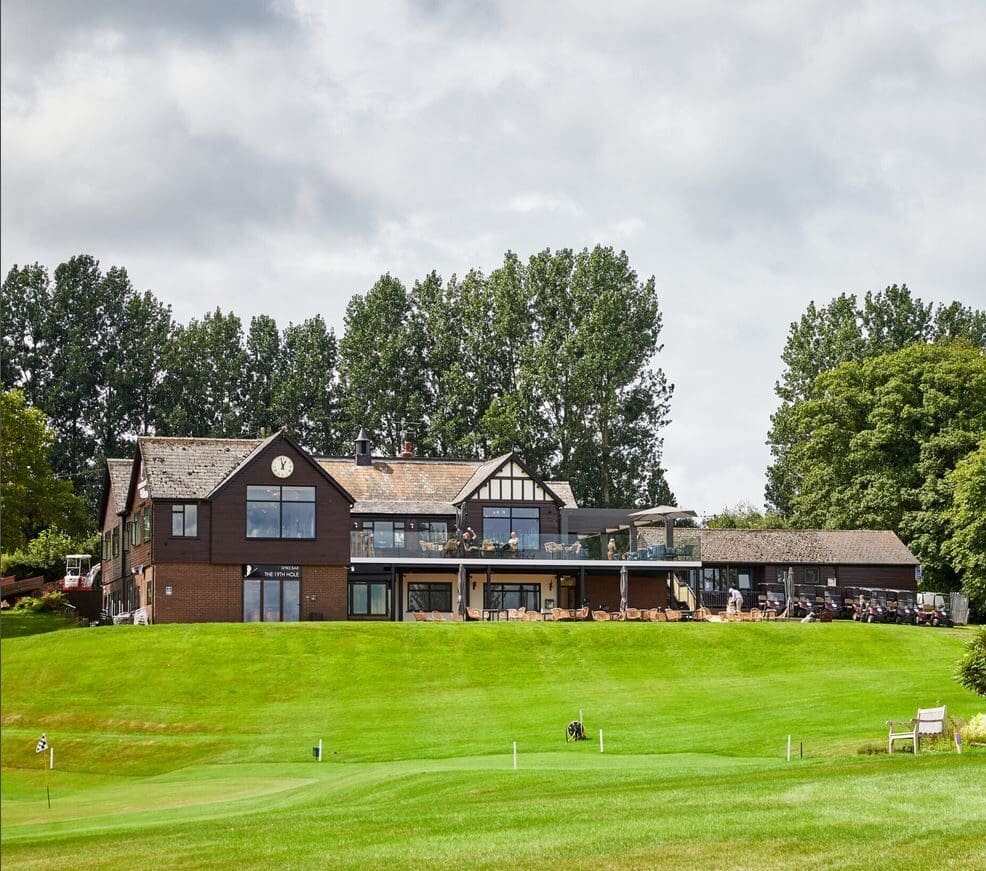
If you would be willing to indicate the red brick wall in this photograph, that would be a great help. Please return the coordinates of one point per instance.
(204, 593)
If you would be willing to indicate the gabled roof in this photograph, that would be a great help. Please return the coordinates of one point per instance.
(819, 546)
(563, 490)
(190, 468)
(116, 480)
(420, 486)
(483, 471)
(394, 486)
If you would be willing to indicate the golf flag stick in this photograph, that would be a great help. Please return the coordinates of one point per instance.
(40, 749)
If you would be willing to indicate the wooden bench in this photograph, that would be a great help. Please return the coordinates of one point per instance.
(929, 721)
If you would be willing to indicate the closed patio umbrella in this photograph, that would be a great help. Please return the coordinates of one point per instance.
(788, 590)
(461, 604)
(624, 588)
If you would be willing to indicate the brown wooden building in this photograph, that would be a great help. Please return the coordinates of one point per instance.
(224, 530)
(250, 529)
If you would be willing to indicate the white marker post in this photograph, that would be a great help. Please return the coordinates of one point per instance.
(788, 748)
(52, 759)
(319, 749)
(515, 755)
(580, 715)
(600, 740)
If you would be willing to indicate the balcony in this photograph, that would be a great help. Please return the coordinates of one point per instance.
(367, 546)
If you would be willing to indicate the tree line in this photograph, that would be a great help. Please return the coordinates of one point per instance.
(554, 355)
(882, 425)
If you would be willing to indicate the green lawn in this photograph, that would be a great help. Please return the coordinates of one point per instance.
(189, 747)
(17, 624)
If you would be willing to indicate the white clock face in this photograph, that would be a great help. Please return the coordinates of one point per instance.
(282, 467)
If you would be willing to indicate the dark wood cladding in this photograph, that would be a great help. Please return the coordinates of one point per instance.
(228, 521)
(550, 517)
(168, 549)
(880, 577)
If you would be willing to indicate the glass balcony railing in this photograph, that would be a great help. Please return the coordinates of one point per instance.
(406, 544)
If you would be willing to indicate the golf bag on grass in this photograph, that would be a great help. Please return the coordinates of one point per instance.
(575, 732)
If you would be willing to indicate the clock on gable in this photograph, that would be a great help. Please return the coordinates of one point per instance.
(282, 466)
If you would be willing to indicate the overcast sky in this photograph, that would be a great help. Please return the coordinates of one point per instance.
(277, 157)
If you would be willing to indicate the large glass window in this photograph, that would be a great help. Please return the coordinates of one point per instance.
(500, 521)
(280, 512)
(251, 601)
(271, 601)
(506, 596)
(386, 534)
(429, 597)
(185, 520)
(369, 599)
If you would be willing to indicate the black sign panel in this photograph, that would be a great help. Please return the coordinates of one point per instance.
(268, 572)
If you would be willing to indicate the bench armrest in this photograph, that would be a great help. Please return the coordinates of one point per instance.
(902, 722)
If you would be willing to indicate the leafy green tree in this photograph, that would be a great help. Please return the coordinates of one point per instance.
(874, 443)
(25, 297)
(32, 497)
(966, 519)
(381, 365)
(744, 515)
(848, 331)
(305, 397)
(599, 405)
(262, 375)
(202, 390)
(76, 314)
(136, 372)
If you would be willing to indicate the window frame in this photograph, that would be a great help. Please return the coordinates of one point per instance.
(521, 590)
(517, 517)
(431, 589)
(182, 509)
(369, 613)
(280, 503)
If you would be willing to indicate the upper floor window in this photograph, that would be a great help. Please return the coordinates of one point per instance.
(116, 542)
(107, 545)
(147, 524)
(500, 521)
(185, 520)
(280, 512)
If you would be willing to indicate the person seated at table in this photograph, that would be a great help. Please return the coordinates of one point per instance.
(513, 544)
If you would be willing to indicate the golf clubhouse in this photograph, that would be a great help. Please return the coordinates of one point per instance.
(246, 530)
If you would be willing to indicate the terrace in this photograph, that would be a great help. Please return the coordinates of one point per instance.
(409, 546)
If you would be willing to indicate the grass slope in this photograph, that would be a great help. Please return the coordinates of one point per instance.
(189, 746)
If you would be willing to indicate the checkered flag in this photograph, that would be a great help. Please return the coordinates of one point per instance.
(42, 744)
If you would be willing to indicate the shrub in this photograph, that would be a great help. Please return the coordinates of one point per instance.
(975, 729)
(48, 602)
(972, 668)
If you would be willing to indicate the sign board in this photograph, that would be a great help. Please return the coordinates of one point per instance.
(272, 572)
(917, 573)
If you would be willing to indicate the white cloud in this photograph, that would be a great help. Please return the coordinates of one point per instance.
(279, 157)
